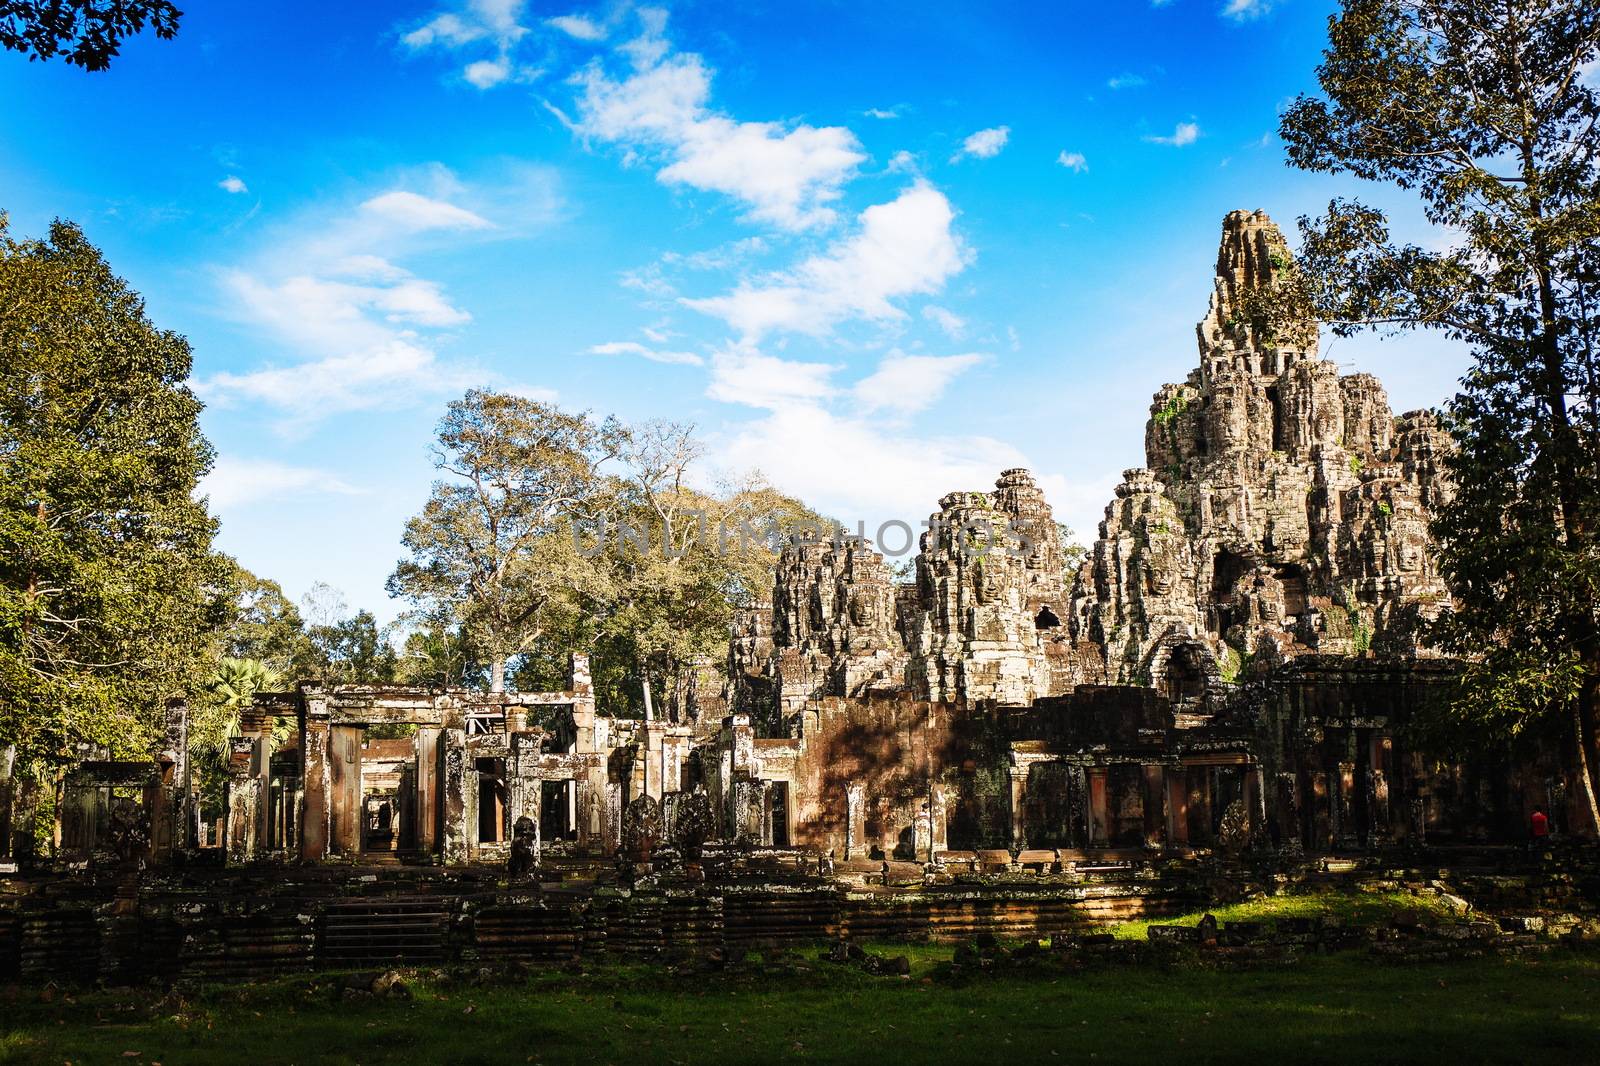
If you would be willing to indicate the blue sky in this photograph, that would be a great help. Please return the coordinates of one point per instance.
(875, 251)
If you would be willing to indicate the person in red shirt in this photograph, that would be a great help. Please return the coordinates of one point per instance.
(1539, 829)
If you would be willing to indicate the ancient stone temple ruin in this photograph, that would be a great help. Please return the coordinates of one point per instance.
(1231, 664)
(1281, 509)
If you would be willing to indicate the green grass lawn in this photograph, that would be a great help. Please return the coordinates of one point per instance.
(1346, 1008)
(1342, 1009)
(1360, 908)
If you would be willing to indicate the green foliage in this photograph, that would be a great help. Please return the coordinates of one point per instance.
(1385, 508)
(1175, 406)
(1356, 463)
(1234, 665)
(265, 625)
(1072, 550)
(110, 596)
(1485, 114)
(663, 610)
(491, 551)
(86, 33)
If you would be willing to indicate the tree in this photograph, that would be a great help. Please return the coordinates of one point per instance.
(1483, 111)
(439, 656)
(88, 33)
(338, 648)
(492, 549)
(266, 625)
(670, 595)
(110, 595)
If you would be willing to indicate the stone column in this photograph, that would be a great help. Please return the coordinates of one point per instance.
(427, 749)
(344, 790)
(937, 802)
(1178, 805)
(1018, 776)
(1381, 827)
(314, 818)
(244, 801)
(655, 735)
(171, 816)
(1345, 833)
(854, 820)
(1155, 805)
(1097, 808)
(455, 787)
(1322, 811)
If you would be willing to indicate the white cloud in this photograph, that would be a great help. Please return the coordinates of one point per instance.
(329, 311)
(902, 162)
(858, 469)
(235, 482)
(497, 23)
(232, 183)
(985, 144)
(348, 327)
(902, 248)
(579, 26)
(882, 112)
(785, 176)
(529, 392)
(952, 324)
(1125, 81)
(1184, 133)
(1246, 10)
(741, 374)
(723, 256)
(1073, 161)
(655, 355)
(906, 384)
(392, 373)
(487, 73)
(416, 213)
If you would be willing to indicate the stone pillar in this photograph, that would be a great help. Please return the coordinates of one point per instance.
(1345, 831)
(428, 798)
(1155, 805)
(1378, 809)
(524, 783)
(1178, 806)
(344, 790)
(1018, 776)
(244, 801)
(655, 735)
(1287, 811)
(1322, 811)
(937, 803)
(171, 813)
(455, 787)
(1097, 808)
(583, 707)
(855, 795)
(314, 818)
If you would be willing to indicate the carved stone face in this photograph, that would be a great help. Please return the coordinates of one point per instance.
(863, 611)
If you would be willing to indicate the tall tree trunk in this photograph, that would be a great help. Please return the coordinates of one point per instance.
(1583, 727)
(497, 674)
(649, 704)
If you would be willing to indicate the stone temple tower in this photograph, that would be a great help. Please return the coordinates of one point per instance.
(1281, 508)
